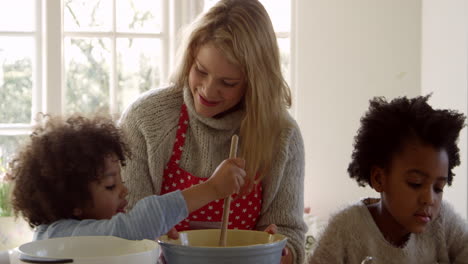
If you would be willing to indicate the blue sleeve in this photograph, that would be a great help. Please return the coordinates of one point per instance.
(150, 218)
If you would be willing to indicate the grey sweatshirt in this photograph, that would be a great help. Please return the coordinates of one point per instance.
(352, 235)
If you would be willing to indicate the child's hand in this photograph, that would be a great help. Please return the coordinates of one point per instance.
(173, 234)
(228, 178)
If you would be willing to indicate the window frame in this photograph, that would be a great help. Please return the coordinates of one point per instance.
(13, 129)
(113, 35)
(49, 87)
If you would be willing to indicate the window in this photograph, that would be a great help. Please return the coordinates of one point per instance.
(113, 51)
(76, 56)
(88, 56)
(18, 72)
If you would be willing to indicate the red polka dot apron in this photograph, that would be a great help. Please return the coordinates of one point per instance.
(244, 210)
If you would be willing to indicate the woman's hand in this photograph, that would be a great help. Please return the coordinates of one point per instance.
(286, 257)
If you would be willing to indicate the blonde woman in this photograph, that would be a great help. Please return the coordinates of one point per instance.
(227, 81)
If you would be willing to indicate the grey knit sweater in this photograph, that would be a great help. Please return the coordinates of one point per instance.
(352, 235)
(150, 125)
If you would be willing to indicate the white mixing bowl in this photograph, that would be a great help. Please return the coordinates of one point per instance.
(89, 249)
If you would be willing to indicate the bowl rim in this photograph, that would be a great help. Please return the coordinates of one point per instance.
(283, 239)
(21, 251)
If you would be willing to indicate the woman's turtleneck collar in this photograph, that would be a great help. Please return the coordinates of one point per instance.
(229, 121)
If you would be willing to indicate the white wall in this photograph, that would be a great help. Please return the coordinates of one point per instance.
(348, 52)
(444, 73)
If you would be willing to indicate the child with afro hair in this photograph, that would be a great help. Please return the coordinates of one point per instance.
(405, 150)
(67, 182)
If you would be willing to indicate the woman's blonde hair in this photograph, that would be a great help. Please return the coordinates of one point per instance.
(243, 31)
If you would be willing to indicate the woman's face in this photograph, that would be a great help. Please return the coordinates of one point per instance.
(216, 84)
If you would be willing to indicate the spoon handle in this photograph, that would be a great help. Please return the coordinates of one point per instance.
(227, 200)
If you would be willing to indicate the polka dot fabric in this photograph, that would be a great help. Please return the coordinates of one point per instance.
(244, 210)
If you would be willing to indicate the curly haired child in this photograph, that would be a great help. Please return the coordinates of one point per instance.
(405, 150)
(68, 183)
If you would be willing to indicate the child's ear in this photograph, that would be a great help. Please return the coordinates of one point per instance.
(77, 212)
(377, 178)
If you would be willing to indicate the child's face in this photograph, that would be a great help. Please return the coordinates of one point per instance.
(216, 84)
(108, 193)
(412, 189)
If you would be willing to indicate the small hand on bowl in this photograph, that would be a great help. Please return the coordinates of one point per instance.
(172, 234)
(286, 257)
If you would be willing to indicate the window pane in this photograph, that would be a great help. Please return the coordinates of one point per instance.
(87, 64)
(9, 145)
(139, 16)
(18, 15)
(87, 15)
(139, 68)
(285, 57)
(16, 59)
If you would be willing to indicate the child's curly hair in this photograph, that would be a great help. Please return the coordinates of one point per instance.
(387, 126)
(52, 173)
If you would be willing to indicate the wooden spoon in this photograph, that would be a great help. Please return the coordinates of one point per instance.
(227, 200)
